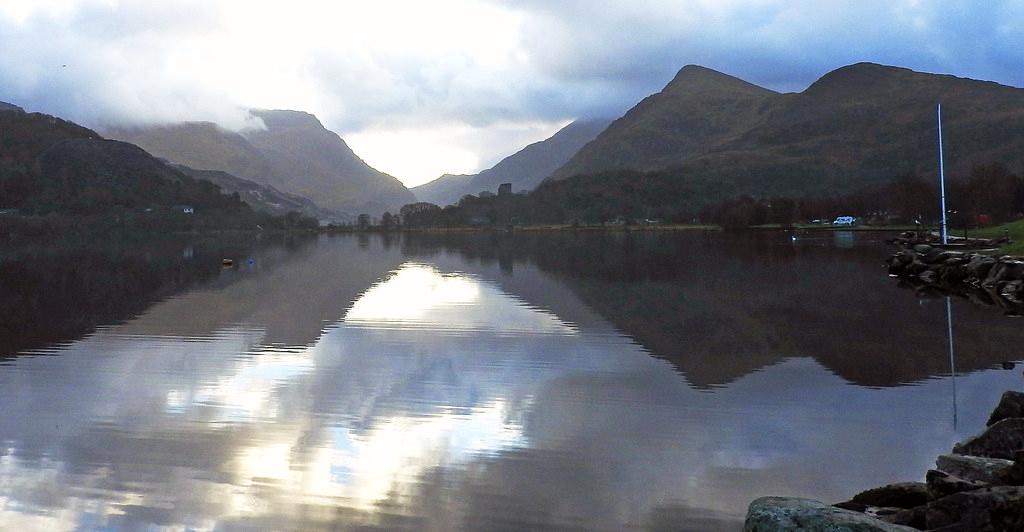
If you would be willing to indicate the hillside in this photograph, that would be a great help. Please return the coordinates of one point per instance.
(263, 198)
(52, 166)
(857, 126)
(314, 162)
(446, 189)
(525, 169)
(4, 106)
(200, 145)
(295, 154)
(698, 110)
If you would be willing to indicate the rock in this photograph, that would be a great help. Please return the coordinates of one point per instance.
(1011, 404)
(954, 274)
(1015, 475)
(852, 506)
(904, 257)
(975, 468)
(979, 266)
(995, 274)
(999, 508)
(934, 256)
(776, 514)
(942, 484)
(1001, 440)
(900, 495)
(912, 517)
(1011, 290)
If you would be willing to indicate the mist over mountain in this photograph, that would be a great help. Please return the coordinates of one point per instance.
(525, 169)
(294, 154)
(859, 125)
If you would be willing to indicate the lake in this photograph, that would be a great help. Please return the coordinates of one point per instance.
(596, 381)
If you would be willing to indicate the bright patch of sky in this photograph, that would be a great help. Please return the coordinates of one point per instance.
(424, 88)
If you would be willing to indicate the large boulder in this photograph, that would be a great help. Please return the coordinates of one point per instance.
(942, 484)
(899, 495)
(977, 468)
(980, 265)
(1001, 440)
(1011, 404)
(774, 514)
(999, 508)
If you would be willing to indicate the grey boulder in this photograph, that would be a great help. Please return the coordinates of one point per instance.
(1001, 440)
(773, 514)
(977, 468)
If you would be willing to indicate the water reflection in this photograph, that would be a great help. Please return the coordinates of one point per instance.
(477, 382)
(418, 295)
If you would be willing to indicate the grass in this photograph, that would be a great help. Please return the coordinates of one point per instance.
(1014, 229)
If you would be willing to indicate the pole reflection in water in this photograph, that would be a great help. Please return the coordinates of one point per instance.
(952, 355)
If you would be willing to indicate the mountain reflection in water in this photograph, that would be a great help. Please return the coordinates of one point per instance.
(596, 381)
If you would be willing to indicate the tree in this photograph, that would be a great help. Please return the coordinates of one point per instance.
(914, 198)
(422, 214)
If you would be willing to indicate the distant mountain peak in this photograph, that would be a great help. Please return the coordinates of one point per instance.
(287, 118)
(859, 77)
(700, 79)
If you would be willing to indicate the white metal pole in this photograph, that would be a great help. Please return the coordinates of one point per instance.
(942, 174)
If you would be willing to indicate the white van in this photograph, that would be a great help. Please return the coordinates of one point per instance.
(845, 220)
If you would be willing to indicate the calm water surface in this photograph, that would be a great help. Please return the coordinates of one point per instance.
(608, 382)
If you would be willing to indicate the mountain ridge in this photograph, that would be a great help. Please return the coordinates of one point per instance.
(856, 126)
(524, 169)
(695, 110)
(294, 154)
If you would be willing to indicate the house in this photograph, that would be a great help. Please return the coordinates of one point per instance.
(183, 209)
(505, 189)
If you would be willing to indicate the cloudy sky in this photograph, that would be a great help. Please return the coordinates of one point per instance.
(423, 88)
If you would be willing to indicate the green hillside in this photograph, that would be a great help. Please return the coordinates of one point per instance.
(857, 126)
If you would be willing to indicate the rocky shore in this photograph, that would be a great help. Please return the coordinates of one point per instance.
(979, 486)
(989, 280)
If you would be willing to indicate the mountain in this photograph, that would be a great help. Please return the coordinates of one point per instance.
(49, 165)
(294, 154)
(4, 106)
(525, 169)
(263, 198)
(446, 189)
(699, 109)
(201, 145)
(857, 126)
(315, 162)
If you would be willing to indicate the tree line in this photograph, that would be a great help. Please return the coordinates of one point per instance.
(988, 194)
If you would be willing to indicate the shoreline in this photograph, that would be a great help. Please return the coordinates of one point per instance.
(607, 228)
(978, 485)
